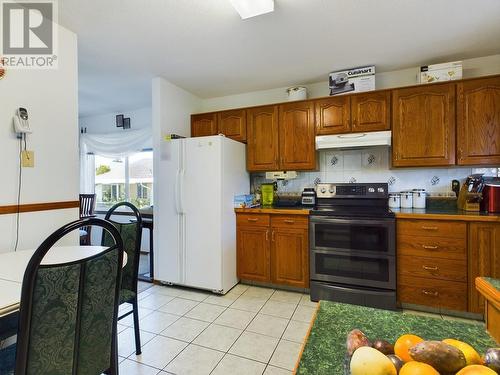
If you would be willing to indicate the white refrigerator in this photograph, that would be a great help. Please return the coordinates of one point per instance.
(195, 223)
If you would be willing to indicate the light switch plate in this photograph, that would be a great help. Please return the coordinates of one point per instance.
(27, 159)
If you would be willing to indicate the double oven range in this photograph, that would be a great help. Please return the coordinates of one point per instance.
(352, 245)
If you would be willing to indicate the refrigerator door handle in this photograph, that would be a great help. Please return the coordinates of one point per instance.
(181, 191)
(177, 192)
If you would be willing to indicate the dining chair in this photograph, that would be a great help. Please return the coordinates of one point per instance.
(68, 312)
(131, 233)
(87, 207)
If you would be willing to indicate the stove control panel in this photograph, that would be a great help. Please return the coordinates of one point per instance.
(343, 190)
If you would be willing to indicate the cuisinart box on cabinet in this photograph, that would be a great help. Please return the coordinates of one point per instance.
(352, 80)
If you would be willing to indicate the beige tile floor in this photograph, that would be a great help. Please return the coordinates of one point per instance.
(250, 330)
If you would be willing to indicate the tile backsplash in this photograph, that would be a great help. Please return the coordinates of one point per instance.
(372, 165)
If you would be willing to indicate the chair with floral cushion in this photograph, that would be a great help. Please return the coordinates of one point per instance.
(68, 313)
(131, 233)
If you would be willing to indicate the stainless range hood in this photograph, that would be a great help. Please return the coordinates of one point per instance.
(354, 140)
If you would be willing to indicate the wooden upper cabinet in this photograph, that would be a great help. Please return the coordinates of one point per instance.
(233, 124)
(423, 126)
(371, 112)
(203, 124)
(478, 122)
(484, 259)
(333, 115)
(262, 139)
(297, 136)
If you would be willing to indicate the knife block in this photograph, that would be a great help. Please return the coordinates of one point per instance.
(468, 201)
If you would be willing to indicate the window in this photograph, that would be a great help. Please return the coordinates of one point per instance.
(124, 179)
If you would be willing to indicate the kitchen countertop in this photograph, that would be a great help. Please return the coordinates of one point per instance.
(325, 348)
(493, 282)
(402, 213)
(460, 215)
(299, 210)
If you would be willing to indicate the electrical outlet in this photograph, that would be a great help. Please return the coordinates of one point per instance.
(28, 159)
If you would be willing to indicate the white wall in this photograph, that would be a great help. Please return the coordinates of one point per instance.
(172, 109)
(106, 123)
(480, 66)
(52, 101)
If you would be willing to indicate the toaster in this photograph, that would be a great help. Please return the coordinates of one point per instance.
(308, 197)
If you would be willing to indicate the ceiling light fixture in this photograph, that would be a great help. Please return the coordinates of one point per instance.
(252, 8)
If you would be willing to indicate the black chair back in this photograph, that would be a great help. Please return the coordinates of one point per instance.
(131, 232)
(87, 207)
(68, 313)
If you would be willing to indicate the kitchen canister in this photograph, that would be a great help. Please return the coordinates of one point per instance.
(406, 199)
(419, 196)
(297, 93)
(394, 200)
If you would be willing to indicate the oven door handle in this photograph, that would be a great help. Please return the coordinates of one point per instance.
(372, 222)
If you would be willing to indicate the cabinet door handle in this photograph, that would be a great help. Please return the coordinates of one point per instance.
(430, 247)
(430, 268)
(429, 228)
(252, 219)
(288, 221)
(272, 236)
(267, 235)
(432, 293)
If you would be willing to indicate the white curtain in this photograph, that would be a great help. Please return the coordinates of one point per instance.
(111, 145)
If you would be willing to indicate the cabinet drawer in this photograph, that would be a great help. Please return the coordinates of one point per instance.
(433, 268)
(432, 228)
(433, 247)
(253, 219)
(430, 292)
(295, 221)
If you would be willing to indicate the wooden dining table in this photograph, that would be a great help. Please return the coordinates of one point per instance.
(13, 265)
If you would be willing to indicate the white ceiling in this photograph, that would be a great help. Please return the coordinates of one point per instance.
(204, 47)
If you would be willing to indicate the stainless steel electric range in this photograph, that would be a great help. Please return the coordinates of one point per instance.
(353, 245)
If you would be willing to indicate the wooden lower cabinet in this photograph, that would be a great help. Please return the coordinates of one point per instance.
(276, 253)
(253, 258)
(289, 254)
(432, 263)
(484, 259)
(436, 293)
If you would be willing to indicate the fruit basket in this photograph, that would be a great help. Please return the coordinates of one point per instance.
(412, 355)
